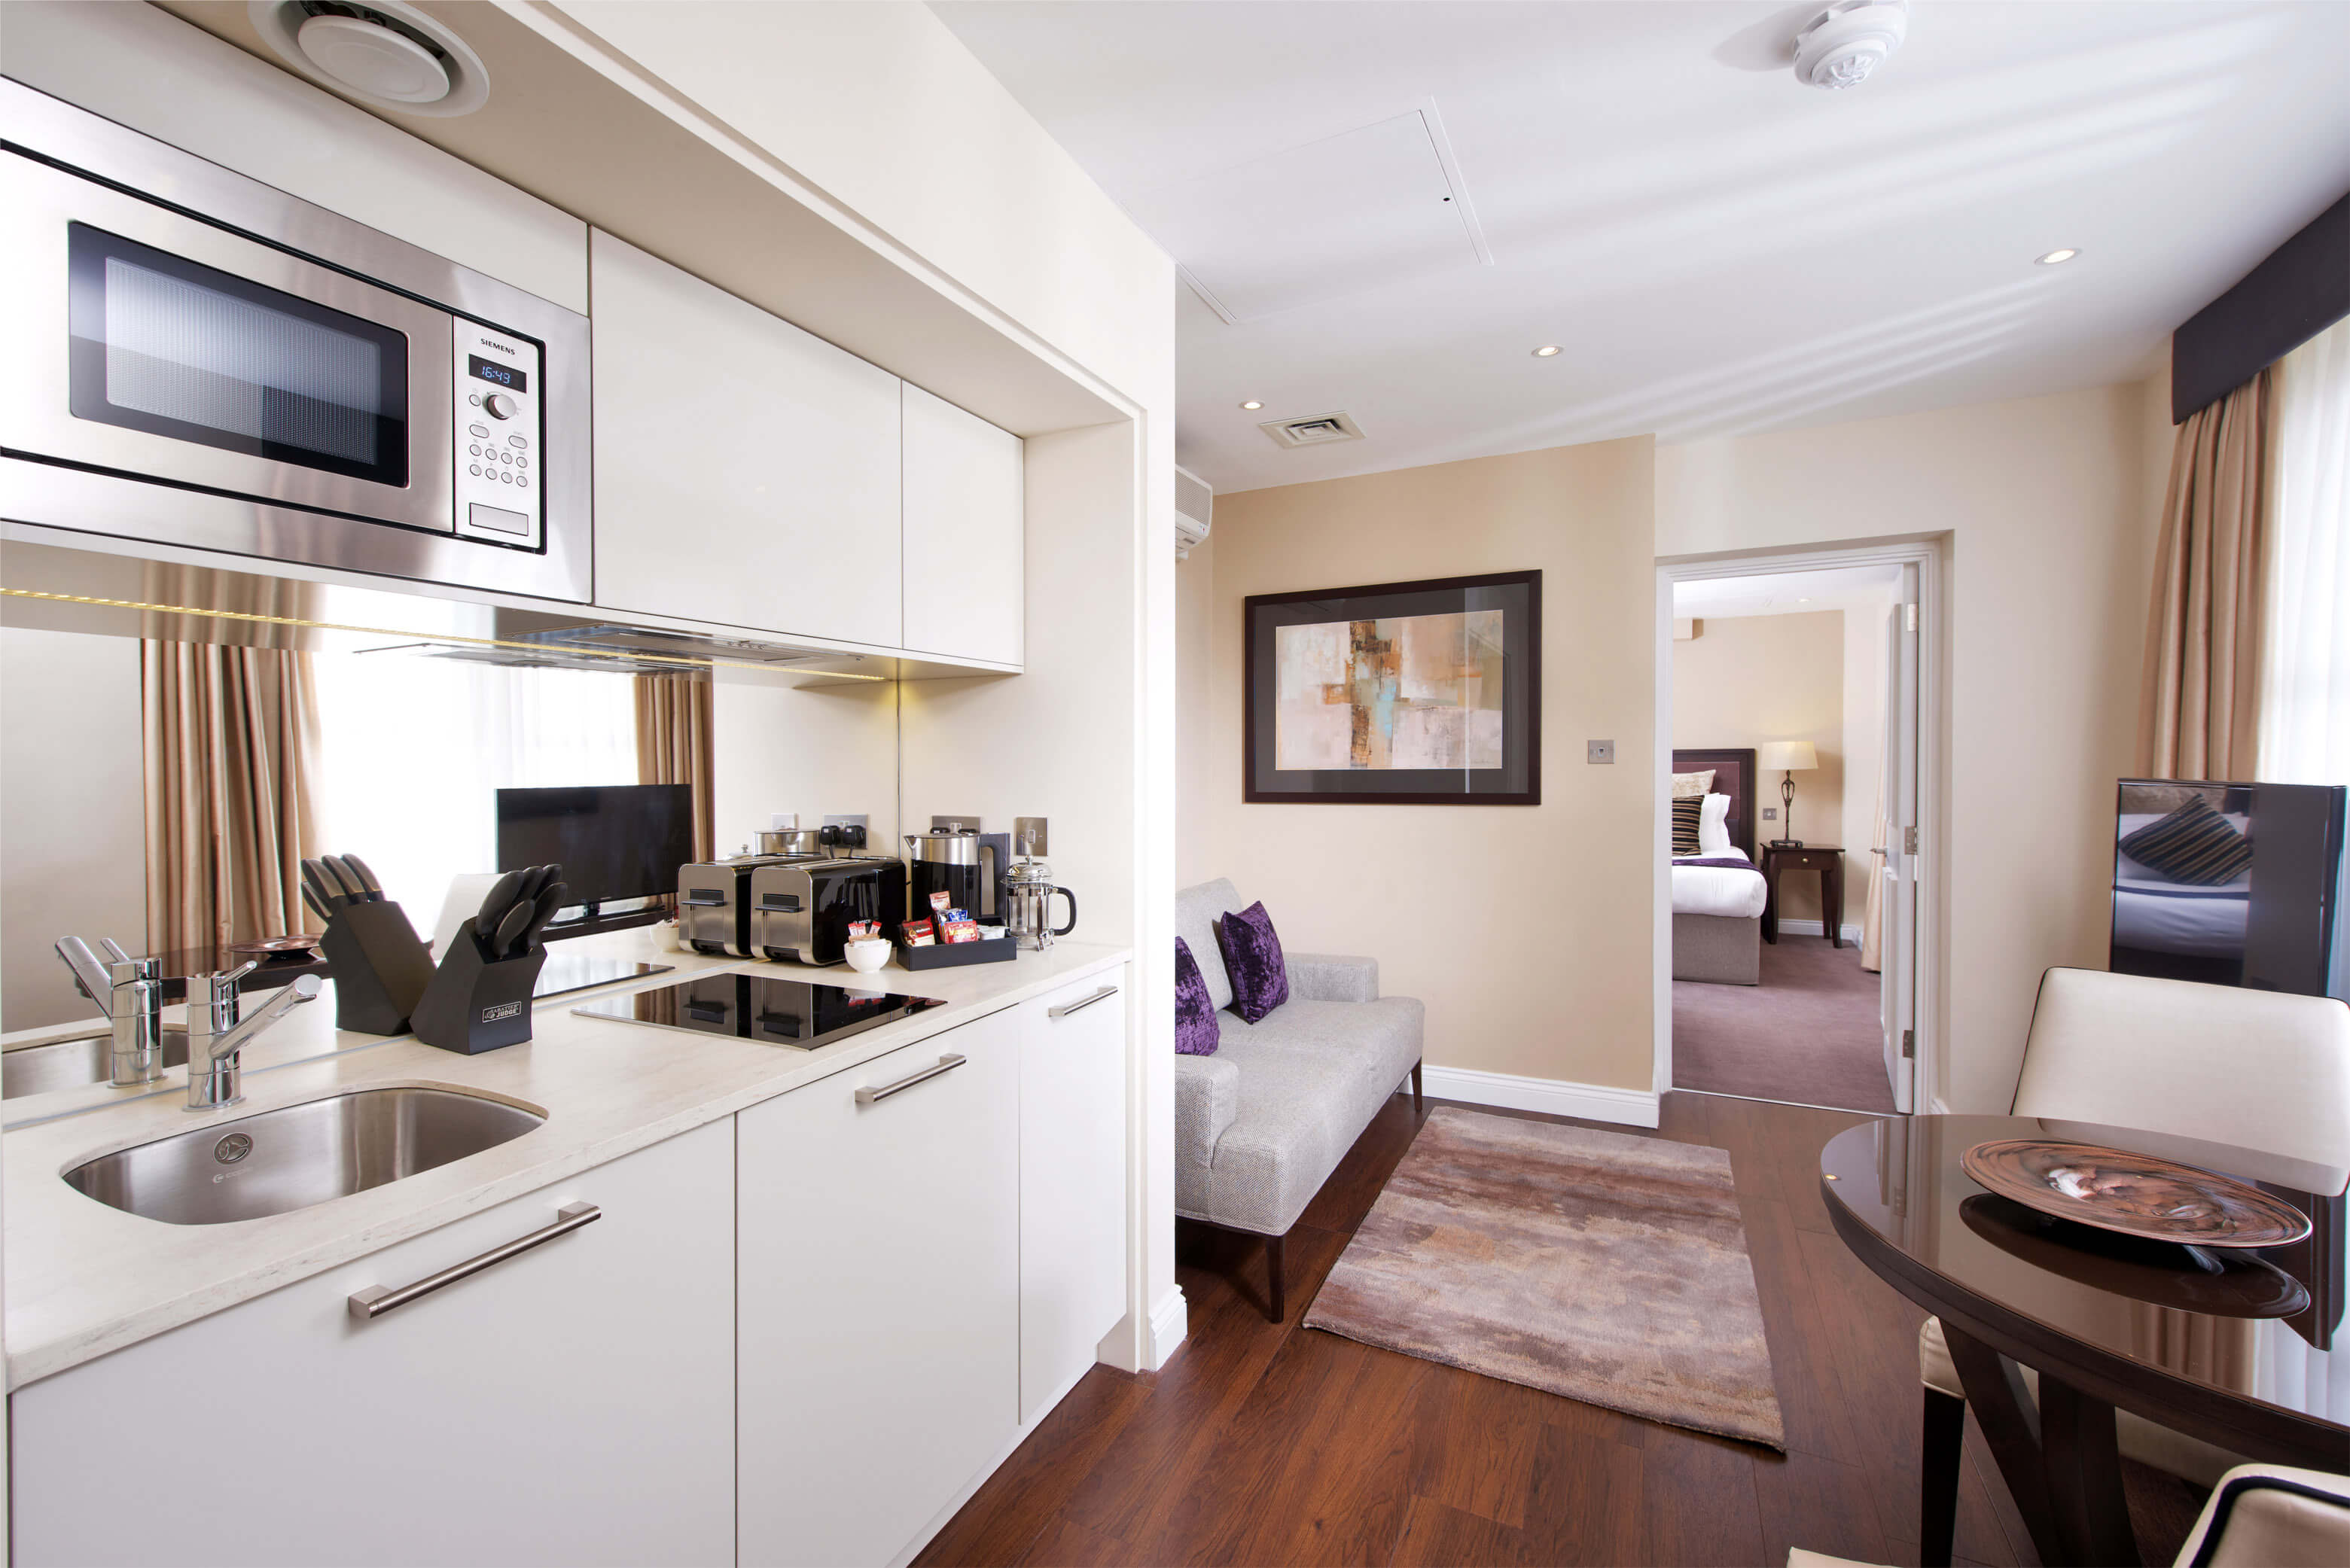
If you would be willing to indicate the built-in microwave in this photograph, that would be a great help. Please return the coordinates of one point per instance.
(191, 358)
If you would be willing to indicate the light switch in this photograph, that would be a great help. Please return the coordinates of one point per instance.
(1770, 813)
(1600, 751)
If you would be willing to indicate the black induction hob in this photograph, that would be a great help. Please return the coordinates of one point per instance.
(798, 1014)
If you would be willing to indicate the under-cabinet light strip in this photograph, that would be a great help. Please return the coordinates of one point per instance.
(539, 647)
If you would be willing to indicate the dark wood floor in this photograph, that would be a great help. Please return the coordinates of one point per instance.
(1260, 1443)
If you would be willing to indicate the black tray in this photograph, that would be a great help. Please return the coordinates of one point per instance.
(954, 955)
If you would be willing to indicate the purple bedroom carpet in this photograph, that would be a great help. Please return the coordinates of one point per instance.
(1808, 1033)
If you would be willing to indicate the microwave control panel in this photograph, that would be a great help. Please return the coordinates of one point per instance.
(500, 468)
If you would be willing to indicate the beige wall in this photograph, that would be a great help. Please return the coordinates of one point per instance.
(1864, 747)
(1195, 777)
(2046, 505)
(1746, 681)
(1525, 929)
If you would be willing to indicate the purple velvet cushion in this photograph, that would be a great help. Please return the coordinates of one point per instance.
(1196, 1029)
(1252, 960)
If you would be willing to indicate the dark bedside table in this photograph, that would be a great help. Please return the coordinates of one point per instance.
(1824, 858)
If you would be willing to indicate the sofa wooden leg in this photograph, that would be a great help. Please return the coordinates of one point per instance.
(1418, 1103)
(1275, 1305)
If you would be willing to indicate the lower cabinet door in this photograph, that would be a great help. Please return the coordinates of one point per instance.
(1072, 1182)
(878, 1255)
(572, 1403)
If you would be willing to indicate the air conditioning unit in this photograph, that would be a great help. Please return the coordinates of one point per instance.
(1195, 498)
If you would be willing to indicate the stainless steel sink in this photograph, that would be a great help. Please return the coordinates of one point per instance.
(290, 1158)
(72, 1063)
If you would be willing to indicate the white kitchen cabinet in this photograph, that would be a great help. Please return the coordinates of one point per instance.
(965, 501)
(878, 1278)
(1072, 1182)
(570, 1405)
(746, 471)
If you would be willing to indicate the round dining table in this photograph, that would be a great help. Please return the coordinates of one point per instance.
(2235, 1346)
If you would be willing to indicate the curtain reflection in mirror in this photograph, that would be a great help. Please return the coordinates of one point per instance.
(232, 751)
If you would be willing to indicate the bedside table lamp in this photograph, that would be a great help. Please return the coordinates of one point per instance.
(1788, 757)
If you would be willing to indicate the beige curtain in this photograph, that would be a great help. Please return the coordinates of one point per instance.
(1872, 925)
(2199, 707)
(674, 745)
(231, 742)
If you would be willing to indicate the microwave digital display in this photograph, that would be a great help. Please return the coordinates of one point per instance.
(491, 370)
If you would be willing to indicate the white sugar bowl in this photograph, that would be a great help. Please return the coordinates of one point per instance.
(866, 955)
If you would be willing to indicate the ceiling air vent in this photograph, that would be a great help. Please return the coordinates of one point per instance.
(1319, 431)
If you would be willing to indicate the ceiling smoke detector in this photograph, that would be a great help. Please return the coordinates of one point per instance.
(1320, 430)
(387, 54)
(1844, 45)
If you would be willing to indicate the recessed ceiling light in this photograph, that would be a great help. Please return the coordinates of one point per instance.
(2054, 257)
(1252, 404)
(1546, 351)
(1804, 601)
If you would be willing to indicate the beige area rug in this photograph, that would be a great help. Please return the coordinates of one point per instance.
(1608, 1268)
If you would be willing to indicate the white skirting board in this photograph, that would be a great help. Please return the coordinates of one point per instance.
(1815, 928)
(1557, 1096)
(1169, 1322)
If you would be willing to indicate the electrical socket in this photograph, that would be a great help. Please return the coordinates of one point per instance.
(854, 819)
(1599, 750)
(954, 824)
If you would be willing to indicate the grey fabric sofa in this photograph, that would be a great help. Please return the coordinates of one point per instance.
(1260, 1125)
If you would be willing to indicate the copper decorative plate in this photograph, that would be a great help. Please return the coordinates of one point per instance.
(2135, 1194)
(276, 945)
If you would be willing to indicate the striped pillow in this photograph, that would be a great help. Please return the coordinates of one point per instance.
(1688, 810)
(2193, 844)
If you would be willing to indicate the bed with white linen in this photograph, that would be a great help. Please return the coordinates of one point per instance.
(2155, 915)
(1717, 894)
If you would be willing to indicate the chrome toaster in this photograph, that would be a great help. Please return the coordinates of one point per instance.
(714, 904)
(800, 910)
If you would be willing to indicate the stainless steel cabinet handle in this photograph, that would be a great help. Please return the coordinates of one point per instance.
(946, 1064)
(1082, 1003)
(375, 1301)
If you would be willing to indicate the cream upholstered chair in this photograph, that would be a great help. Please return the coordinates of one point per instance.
(2133, 1051)
(2258, 1516)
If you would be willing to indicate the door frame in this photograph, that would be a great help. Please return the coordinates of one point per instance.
(1927, 554)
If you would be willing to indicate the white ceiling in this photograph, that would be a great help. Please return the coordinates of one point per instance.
(1786, 593)
(1716, 247)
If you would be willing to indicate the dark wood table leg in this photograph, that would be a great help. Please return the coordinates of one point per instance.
(1831, 899)
(1770, 904)
(2085, 1476)
(2011, 1426)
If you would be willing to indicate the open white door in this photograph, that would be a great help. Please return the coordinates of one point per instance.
(1900, 865)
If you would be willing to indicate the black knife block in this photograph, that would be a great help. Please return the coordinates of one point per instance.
(378, 965)
(475, 1001)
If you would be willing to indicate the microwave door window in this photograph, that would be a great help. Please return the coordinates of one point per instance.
(175, 349)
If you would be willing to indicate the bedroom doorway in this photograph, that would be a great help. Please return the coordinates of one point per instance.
(1793, 739)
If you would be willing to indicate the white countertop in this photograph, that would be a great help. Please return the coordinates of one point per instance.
(83, 1279)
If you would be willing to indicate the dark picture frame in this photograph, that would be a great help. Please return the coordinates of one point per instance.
(1517, 782)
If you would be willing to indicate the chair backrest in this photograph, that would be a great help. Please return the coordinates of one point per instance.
(2259, 1069)
(2270, 1516)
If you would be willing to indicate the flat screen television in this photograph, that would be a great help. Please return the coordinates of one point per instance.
(2231, 883)
(613, 841)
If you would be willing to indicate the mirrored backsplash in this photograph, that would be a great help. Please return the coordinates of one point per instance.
(172, 737)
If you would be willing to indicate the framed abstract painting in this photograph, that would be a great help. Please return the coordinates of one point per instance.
(1396, 694)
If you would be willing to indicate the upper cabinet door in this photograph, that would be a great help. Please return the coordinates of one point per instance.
(965, 572)
(746, 471)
